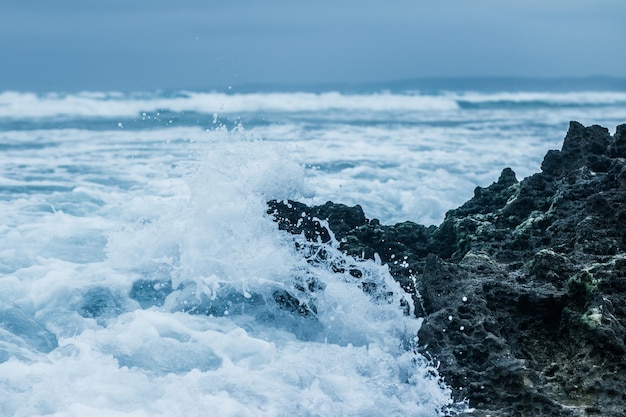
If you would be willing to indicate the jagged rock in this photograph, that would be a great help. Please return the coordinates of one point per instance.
(522, 288)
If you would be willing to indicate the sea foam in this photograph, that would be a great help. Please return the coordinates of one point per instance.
(140, 274)
(176, 294)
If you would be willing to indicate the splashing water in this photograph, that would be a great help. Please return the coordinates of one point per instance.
(129, 291)
(141, 276)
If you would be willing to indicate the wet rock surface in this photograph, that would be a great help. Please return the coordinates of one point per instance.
(523, 287)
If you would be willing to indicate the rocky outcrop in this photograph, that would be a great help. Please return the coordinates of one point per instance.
(522, 288)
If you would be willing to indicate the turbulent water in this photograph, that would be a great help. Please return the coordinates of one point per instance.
(140, 274)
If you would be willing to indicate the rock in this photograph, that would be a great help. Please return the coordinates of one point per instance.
(522, 288)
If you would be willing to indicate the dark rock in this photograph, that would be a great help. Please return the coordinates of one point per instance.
(583, 146)
(522, 288)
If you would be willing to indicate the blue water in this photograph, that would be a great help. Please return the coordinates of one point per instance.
(141, 276)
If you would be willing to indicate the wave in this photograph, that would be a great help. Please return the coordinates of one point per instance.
(175, 293)
(187, 106)
(540, 100)
(15, 105)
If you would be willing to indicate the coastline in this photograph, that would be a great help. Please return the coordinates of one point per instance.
(522, 287)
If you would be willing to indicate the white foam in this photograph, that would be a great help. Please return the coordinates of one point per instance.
(89, 213)
(207, 230)
(15, 105)
(19, 105)
(573, 98)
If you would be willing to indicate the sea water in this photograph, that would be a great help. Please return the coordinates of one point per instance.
(140, 274)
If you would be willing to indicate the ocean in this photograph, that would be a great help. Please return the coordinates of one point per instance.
(140, 274)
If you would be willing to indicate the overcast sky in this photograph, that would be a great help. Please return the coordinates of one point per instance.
(69, 45)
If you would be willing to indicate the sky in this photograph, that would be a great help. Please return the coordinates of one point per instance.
(138, 45)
